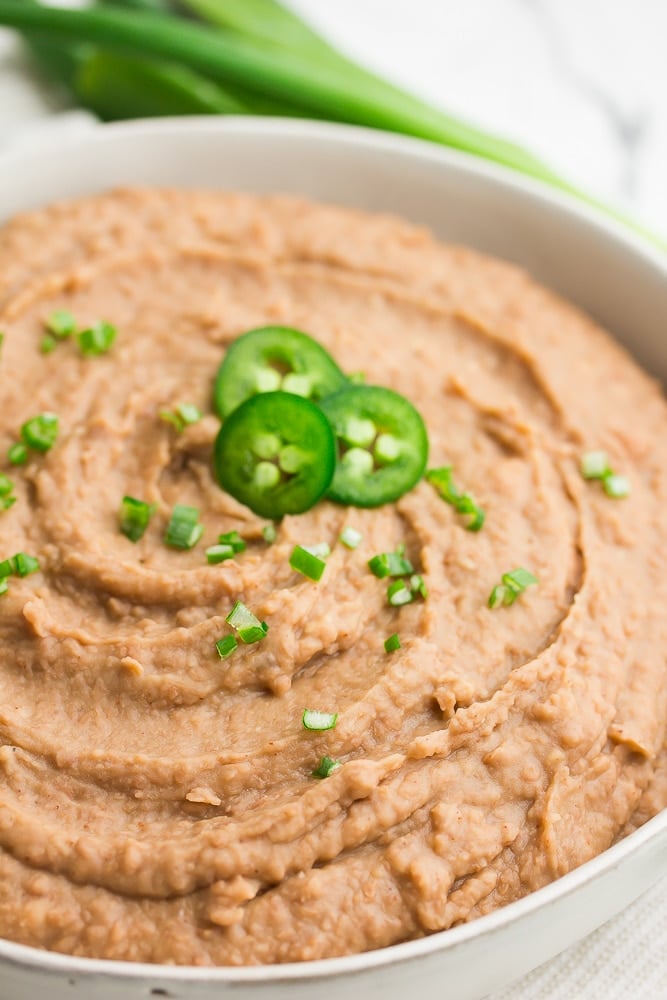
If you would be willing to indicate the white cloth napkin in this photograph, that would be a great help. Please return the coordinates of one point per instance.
(624, 960)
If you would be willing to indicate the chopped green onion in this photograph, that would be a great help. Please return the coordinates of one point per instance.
(248, 626)
(233, 539)
(6, 568)
(318, 722)
(219, 553)
(351, 538)
(182, 416)
(24, 565)
(18, 454)
(392, 643)
(97, 339)
(616, 487)
(134, 517)
(595, 465)
(61, 324)
(417, 586)
(183, 530)
(226, 646)
(512, 586)
(463, 503)
(6, 485)
(48, 344)
(307, 563)
(321, 550)
(7, 502)
(269, 533)
(390, 564)
(326, 767)
(4, 585)
(398, 593)
(40, 432)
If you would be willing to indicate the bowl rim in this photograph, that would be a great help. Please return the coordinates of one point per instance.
(503, 178)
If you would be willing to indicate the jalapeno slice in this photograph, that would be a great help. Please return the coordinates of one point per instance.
(274, 358)
(382, 445)
(276, 453)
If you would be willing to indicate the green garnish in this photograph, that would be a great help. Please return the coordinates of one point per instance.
(248, 626)
(318, 722)
(512, 586)
(6, 485)
(184, 530)
(390, 564)
(39, 433)
(218, 553)
(233, 539)
(4, 585)
(417, 586)
(182, 416)
(392, 643)
(47, 344)
(308, 563)
(326, 767)
(97, 339)
(18, 565)
(595, 465)
(61, 324)
(134, 517)
(18, 454)
(463, 503)
(351, 538)
(269, 533)
(7, 502)
(399, 593)
(226, 646)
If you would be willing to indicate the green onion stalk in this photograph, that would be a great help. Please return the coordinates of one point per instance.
(138, 58)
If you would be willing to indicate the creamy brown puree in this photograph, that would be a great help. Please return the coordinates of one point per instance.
(156, 802)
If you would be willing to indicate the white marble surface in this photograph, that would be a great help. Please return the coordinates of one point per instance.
(583, 83)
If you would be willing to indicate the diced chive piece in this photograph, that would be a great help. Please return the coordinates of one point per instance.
(97, 339)
(398, 594)
(616, 487)
(390, 564)
(183, 530)
(48, 344)
(226, 646)
(307, 563)
(169, 417)
(392, 643)
(417, 586)
(4, 585)
(7, 502)
(248, 626)
(189, 413)
(6, 568)
(463, 503)
(234, 539)
(24, 565)
(61, 324)
(443, 480)
(40, 432)
(18, 454)
(269, 533)
(512, 585)
(6, 485)
(351, 538)
(134, 517)
(468, 506)
(218, 553)
(326, 767)
(320, 549)
(318, 722)
(595, 465)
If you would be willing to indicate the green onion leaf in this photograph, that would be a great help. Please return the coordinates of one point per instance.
(512, 586)
(48, 344)
(61, 324)
(134, 517)
(4, 585)
(181, 416)
(305, 562)
(595, 465)
(390, 564)
(248, 626)
(392, 643)
(616, 487)
(463, 503)
(6, 485)
(417, 586)
(226, 646)
(24, 565)
(219, 553)
(40, 432)
(18, 454)
(351, 538)
(398, 593)
(326, 767)
(183, 530)
(269, 533)
(234, 540)
(97, 339)
(321, 550)
(318, 722)
(7, 502)
(6, 568)
(253, 633)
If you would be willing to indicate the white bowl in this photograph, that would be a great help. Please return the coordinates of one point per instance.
(614, 275)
